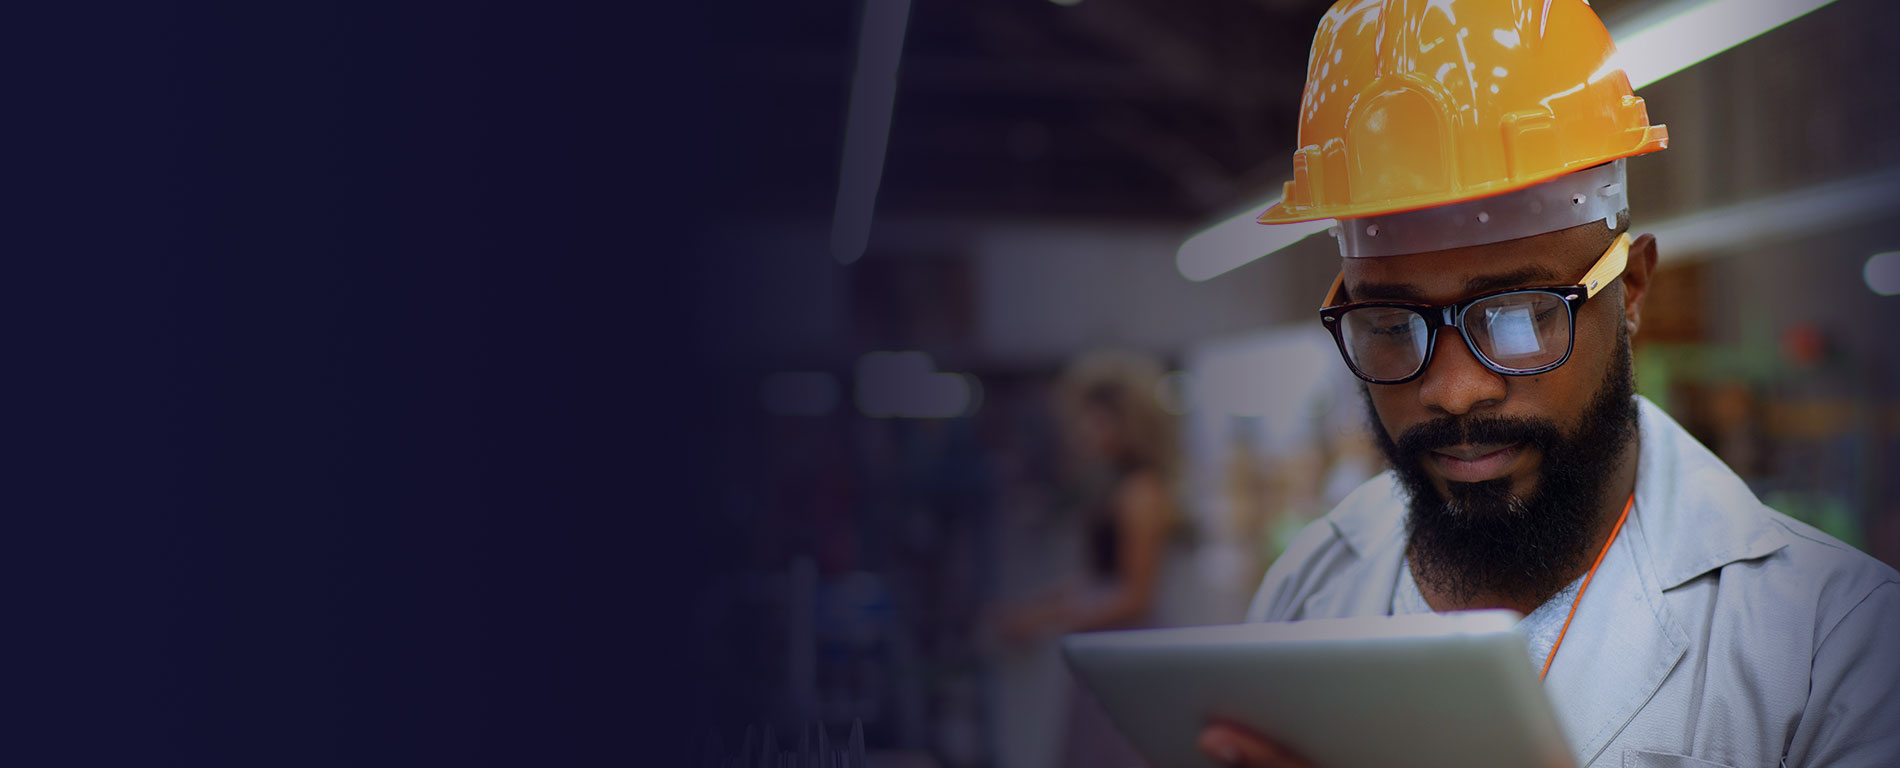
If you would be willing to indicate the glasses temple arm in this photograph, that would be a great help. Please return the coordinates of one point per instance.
(1332, 295)
(1608, 267)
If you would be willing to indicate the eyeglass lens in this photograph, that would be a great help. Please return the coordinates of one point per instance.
(1514, 331)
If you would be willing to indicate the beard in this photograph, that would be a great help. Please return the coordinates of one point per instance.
(1482, 538)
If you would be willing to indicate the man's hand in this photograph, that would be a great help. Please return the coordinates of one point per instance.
(1231, 744)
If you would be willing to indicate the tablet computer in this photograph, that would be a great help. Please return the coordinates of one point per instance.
(1418, 691)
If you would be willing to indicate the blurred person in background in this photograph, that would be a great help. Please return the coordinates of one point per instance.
(1123, 449)
(1123, 444)
(1488, 294)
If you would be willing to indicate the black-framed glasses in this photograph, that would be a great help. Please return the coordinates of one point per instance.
(1515, 332)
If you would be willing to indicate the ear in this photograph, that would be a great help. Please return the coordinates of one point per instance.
(1636, 277)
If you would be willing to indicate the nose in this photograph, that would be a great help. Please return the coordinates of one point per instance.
(1456, 382)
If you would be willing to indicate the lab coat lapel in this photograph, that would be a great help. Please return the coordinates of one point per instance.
(1368, 592)
(1620, 645)
(1375, 532)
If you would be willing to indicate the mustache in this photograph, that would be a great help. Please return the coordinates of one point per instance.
(1459, 430)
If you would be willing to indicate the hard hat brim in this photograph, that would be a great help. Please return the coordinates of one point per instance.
(1655, 137)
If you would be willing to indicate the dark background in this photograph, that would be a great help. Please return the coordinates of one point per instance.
(336, 336)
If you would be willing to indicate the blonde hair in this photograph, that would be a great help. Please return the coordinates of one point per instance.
(1125, 385)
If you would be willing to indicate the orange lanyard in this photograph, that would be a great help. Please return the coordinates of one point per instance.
(1586, 585)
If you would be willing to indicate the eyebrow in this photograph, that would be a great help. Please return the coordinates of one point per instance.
(1532, 275)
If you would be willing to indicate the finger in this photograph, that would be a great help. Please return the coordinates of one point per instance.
(1232, 745)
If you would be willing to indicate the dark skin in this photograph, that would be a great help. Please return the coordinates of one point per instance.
(1456, 383)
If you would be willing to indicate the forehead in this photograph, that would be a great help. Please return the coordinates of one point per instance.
(1555, 258)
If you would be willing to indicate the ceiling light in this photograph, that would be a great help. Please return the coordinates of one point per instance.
(868, 126)
(1882, 273)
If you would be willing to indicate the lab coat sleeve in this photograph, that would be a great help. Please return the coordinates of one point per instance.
(1853, 712)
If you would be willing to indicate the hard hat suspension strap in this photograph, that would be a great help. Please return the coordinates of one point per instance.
(1599, 193)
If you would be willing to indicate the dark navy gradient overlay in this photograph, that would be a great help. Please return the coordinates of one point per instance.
(336, 403)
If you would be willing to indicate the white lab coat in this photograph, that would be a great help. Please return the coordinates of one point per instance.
(1717, 631)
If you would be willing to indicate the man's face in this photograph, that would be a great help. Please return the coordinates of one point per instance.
(1505, 472)
(1457, 385)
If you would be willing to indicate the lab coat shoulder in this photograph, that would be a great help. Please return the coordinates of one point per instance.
(1792, 657)
(1338, 560)
(1852, 706)
(1852, 606)
(1784, 624)
(1845, 577)
(1707, 532)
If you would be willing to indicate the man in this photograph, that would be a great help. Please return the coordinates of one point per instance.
(1473, 153)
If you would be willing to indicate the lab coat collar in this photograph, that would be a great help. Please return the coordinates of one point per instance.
(1700, 516)
(1372, 520)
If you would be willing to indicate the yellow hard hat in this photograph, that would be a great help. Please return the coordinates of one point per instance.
(1414, 104)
